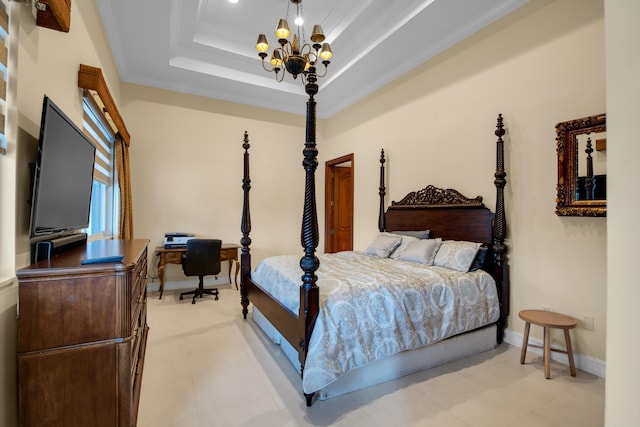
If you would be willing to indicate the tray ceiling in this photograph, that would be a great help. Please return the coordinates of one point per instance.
(207, 47)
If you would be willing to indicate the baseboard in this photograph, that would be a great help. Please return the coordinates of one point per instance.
(182, 285)
(585, 363)
(6, 283)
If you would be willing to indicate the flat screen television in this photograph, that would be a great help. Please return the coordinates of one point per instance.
(63, 176)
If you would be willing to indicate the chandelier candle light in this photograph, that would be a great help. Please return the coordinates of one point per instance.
(302, 60)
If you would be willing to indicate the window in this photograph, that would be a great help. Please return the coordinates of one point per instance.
(91, 79)
(103, 220)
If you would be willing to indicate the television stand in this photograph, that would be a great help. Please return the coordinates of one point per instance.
(48, 247)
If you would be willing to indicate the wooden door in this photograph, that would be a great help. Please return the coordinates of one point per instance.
(339, 204)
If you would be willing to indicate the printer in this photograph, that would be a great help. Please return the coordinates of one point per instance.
(177, 240)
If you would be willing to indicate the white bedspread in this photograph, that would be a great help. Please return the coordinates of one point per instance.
(371, 308)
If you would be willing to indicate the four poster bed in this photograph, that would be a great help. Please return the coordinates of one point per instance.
(407, 303)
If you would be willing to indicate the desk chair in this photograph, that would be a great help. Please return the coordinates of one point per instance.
(201, 259)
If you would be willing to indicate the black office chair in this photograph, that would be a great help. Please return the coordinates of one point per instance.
(201, 259)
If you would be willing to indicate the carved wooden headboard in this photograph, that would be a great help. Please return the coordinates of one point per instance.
(446, 212)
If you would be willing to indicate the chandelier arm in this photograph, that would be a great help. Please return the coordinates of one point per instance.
(309, 49)
(265, 67)
(286, 49)
(326, 69)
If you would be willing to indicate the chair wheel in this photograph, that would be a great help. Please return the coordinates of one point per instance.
(193, 301)
(216, 297)
(181, 297)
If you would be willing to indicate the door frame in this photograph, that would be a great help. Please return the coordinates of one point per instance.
(329, 169)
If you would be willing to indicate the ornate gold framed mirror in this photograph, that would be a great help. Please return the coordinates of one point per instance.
(582, 174)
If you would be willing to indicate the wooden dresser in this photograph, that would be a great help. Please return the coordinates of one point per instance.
(82, 333)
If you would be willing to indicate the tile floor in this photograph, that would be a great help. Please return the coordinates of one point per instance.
(206, 366)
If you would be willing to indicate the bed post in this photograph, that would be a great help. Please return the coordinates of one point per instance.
(500, 233)
(245, 241)
(309, 236)
(382, 226)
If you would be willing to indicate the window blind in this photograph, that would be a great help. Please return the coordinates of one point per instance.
(102, 135)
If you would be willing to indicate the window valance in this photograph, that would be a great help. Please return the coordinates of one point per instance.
(92, 79)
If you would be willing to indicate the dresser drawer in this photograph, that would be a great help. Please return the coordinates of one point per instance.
(139, 287)
(136, 373)
(135, 351)
(139, 279)
(137, 303)
(138, 323)
(69, 387)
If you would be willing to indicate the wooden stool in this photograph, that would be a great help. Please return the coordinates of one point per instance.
(548, 319)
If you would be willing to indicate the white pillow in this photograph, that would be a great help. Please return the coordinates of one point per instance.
(421, 250)
(403, 244)
(456, 255)
(383, 245)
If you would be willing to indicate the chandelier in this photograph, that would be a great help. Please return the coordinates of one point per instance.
(296, 56)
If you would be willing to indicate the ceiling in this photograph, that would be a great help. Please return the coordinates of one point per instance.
(207, 47)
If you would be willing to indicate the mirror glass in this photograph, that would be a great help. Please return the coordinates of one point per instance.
(591, 159)
(582, 167)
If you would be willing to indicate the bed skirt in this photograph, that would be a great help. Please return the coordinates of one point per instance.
(389, 368)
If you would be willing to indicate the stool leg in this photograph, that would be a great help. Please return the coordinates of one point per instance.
(567, 339)
(547, 352)
(525, 342)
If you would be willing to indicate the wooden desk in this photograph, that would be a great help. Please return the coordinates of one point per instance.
(229, 253)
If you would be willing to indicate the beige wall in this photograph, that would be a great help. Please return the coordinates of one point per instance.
(47, 63)
(187, 167)
(623, 92)
(436, 125)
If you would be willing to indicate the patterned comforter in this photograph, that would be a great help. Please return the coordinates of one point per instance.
(372, 307)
